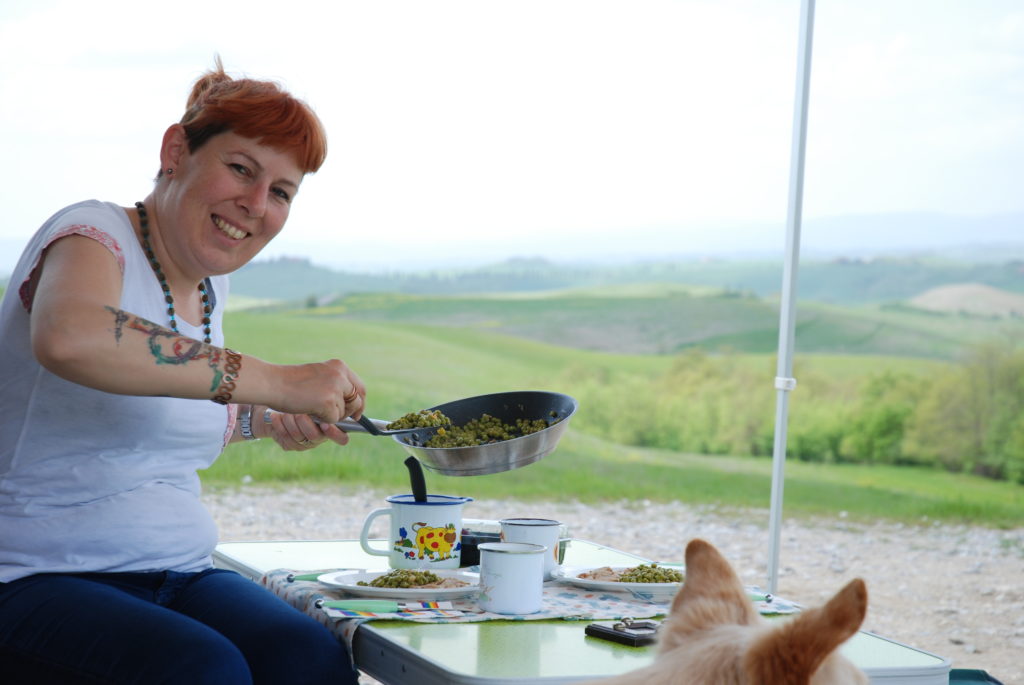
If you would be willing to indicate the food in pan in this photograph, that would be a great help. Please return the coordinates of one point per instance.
(485, 430)
(644, 573)
(409, 578)
(425, 418)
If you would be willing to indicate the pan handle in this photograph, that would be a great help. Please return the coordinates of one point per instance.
(363, 425)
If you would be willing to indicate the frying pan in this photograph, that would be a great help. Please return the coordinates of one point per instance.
(495, 457)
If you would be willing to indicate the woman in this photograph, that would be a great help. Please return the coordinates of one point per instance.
(111, 350)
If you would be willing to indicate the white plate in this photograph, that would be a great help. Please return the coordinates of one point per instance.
(649, 592)
(348, 581)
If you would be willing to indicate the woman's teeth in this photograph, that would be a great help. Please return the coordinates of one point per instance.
(230, 230)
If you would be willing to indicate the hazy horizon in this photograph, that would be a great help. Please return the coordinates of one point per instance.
(574, 129)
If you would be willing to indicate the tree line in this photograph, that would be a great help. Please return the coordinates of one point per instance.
(966, 417)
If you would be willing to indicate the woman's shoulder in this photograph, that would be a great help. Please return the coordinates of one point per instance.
(105, 222)
(98, 212)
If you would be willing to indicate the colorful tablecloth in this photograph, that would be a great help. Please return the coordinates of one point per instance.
(560, 601)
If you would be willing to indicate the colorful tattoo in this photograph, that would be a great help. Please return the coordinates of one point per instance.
(166, 346)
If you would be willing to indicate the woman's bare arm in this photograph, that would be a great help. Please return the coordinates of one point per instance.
(80, 334)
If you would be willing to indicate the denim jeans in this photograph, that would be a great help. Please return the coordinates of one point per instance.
(212, 627)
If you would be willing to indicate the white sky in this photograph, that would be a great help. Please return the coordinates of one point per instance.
(561, 128)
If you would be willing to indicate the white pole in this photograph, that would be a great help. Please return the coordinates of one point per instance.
(784, 381)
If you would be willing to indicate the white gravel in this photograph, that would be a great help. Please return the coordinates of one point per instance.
(955, 591)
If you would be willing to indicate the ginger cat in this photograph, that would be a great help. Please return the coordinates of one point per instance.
(715, 636)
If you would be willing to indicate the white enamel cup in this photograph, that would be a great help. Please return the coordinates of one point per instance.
(511, 577)
(544, 532)
(422, 535)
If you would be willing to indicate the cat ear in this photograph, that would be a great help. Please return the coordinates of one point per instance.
(710, 579)
(792, 653)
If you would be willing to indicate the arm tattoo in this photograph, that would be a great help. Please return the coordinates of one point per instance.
(119, 318)
(166, 346)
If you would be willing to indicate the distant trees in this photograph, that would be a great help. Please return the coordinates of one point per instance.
(968, 417)
(972, 418)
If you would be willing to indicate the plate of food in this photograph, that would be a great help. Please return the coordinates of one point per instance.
(404, 583)
(649, 582)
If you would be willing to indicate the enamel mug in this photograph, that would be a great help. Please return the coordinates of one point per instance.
(422, 535)
(544, 532)
(511, 577)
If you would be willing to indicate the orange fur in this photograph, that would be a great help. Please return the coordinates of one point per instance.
(715, 636)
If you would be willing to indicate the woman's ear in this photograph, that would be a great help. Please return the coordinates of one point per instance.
(174, 147)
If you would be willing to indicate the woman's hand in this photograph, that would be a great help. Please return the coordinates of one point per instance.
(328, 391)
(313, 398)
(295, 432)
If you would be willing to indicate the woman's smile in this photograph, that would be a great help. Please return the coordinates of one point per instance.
(228, 229)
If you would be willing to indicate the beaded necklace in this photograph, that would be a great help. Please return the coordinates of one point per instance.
(168, 298)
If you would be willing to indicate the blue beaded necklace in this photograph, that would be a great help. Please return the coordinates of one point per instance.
(168, 298)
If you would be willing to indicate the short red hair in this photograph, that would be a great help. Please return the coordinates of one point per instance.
(260, 110)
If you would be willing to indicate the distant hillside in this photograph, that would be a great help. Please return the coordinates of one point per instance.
(663, 319)
(971, 298)
(840, 281)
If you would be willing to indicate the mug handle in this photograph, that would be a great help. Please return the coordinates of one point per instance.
(363, 542)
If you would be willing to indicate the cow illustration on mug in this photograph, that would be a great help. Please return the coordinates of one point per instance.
(432, 540)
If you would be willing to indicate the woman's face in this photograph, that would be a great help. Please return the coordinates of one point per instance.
(224, 203)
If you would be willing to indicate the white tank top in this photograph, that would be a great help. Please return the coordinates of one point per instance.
(89, 480)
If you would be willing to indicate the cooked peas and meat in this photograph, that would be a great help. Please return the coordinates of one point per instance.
(410, 578)
(644, 573)
(481, 431)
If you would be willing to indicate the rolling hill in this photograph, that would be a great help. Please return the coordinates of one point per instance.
(662, 319)
(838, 281)
(970, 298)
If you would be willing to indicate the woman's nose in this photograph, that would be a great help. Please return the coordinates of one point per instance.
(255, 200)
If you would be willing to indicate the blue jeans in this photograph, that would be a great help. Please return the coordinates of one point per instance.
(211, 627)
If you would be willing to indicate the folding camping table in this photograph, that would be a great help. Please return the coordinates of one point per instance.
(520, 652)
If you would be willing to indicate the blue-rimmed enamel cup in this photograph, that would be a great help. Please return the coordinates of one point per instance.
(422, 535)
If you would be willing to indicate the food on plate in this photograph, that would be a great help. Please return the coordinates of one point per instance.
(424, 418)
(485, 430)
(604, 574)
(409, 578)
(644, 573)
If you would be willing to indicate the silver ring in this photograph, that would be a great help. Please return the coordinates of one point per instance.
(267, 415)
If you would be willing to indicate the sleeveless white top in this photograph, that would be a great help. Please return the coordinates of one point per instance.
(89, 480)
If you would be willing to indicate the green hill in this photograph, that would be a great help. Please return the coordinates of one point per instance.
(666, 319)
(840, 281)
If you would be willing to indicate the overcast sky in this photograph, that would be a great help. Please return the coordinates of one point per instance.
(563, 128)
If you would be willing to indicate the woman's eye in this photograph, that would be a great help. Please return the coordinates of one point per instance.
(240, 168)
(283, 194)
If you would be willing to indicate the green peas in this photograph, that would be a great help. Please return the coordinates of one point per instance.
(650, 573)
(485, 430)
(425, 418)
(402, 578)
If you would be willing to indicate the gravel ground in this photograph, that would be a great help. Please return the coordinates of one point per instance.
(955, 591)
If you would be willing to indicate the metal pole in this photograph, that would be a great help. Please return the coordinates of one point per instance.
(784, 381)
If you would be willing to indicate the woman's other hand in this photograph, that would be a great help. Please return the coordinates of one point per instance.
(296, 432)
(328, 391)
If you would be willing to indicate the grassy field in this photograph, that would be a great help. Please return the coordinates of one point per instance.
(666, 318)
(407, 367)
(589, 470)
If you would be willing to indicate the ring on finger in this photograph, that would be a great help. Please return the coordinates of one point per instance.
(305, 441)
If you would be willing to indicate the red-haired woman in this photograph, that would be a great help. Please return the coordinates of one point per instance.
(111, 350)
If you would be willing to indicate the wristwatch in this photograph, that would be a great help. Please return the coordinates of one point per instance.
(245, 424)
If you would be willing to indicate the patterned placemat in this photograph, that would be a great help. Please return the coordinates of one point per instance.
(559, 601)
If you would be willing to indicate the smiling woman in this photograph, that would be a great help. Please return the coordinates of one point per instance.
(111, 330)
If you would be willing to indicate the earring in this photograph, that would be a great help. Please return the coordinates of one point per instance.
(169, 171)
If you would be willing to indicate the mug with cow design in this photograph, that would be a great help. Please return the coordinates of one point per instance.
(422, 535)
